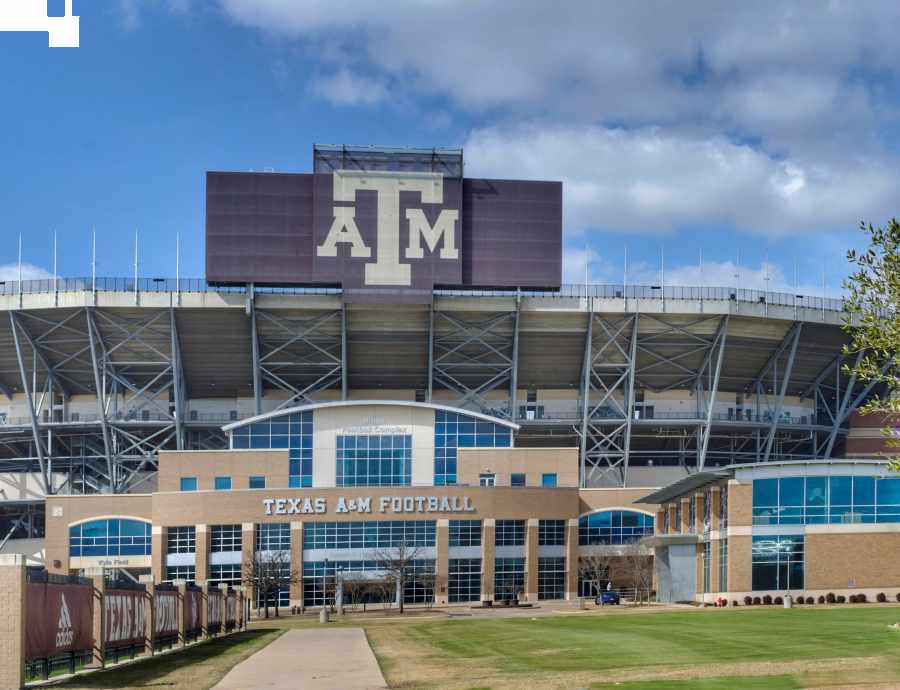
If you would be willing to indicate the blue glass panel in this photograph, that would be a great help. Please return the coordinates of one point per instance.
(888, 491)
(863, 491)
(240, 442)
(816, 491)
(840, 490)
(791, 491)
(765, 492)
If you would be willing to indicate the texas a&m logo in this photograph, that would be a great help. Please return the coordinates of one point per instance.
(399, 242)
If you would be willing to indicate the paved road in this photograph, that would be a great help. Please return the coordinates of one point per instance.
(313, 659)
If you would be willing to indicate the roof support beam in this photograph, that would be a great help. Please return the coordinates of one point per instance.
(720, 338)
(38, 443)
(178, 379)
(100, 387)
(786, 378)
(514, 374)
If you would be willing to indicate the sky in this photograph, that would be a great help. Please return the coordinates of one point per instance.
(758, 134)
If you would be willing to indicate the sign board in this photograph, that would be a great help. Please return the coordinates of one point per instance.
(369, 504)
(216, 612)
(124, 617)
(166, 603)
(193, 600)
(60, 619)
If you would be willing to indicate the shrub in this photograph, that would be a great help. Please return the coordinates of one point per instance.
(734, 602)
(829, 598)
(757, 601)
(852, 598)
(767, 600)
(749, 600)
(841, 599)
(778, 601)
(799, 600)
(821, 599)
(861, 598)
(881, 598)
(810, 600)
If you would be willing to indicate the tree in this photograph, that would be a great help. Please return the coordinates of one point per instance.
(873, 323)
(269, 573)
(638, 565)
(594, 568)
(398, 563)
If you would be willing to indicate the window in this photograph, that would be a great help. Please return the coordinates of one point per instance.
(487, 479)
(180, 572)
(256, 481)
(665, 525)
(225, 538)
(374, 460)
(510, 533)
(223, 484)
(517, 479)
(548, 480)
(723, 565)
(225, 573)
(188, 483)
(181, 540)
(293, 432)
(551, 578)
(452, 431)
(273, 536)
(280, 595)
(464, 580)
(723, 510)
(368, 535)
(706, 562)
(820, 500)
(465, 533)
(777, 563)
(509, 578)
(692, 514)
(319, 579)
(115, 537)
(613, 527)
(552, 533)
(419, 587)
(678, 526)
(592, 577)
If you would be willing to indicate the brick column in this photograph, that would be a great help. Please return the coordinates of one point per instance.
(158, 538)
(715, 513)
(442, 562)
(659, 520)
(487, 559)
(201, 555)
(531, 559)
(99, 659)
(181, 586)
(673, 509)
(572, 559)
(248, 546)
(12, 622)
(699, 510)
(296, 594)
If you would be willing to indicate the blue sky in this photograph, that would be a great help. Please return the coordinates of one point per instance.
(753, 131)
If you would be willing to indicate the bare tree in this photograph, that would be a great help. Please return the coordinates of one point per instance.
(427, 580)
(269, 573)
(398, 562)
(384, 587)
(638, 565)
(594, 568)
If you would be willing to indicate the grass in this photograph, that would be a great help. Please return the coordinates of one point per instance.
(720, 683)
(196, 668)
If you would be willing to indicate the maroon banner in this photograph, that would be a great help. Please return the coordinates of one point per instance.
(216, 611)
(59, 619)
(193, 600)
(166, 603)
(231, 608)
(125, 616)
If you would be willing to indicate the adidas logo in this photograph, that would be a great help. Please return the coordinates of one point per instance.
(64, 632)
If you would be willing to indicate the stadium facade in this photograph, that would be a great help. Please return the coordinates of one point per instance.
(389, 287)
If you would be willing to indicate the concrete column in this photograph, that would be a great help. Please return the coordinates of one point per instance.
(204, 610)
(99, 658)
(158, 539)
(699, 510)
(531, 559)
(223, 588)
(487, 558)
(248, 547)
(201, 556)
(659, 520)
(673, 509)
(442, 562)
(685, 515)
(297, 563)
(572, 559)
(12, 622)
(181, 587)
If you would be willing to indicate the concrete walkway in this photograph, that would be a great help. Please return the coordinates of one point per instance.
(314, 659)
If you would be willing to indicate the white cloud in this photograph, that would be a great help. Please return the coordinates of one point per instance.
(10, 272)
(346, 88)
(652, 180)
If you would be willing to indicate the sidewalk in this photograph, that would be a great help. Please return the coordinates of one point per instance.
(319, 659)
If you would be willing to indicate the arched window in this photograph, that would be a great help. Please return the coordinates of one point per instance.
(613, 527)
(110, 537)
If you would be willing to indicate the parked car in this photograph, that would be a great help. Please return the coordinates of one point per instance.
(609, 597)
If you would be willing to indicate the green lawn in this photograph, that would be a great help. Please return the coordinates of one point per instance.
(652, 651)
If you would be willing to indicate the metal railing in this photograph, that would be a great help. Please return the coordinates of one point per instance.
(568, 291)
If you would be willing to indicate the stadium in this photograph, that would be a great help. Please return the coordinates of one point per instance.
(388, 331)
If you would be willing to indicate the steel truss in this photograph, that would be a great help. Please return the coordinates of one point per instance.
(299, 355)
(473, 356)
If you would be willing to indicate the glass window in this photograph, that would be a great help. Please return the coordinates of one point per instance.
(723, 565)
(256, 482)
(273, 536)
(374, 460)
(319, 580)
(454, 430)
(465, 533)
(723, 507)
(291, 431)
(188, 483)
(113, 537)
(552, 533)
(510, 533)
(509, 578)
(225, 573)
(225, 538)
(368, 535)
(181, 540)
(551, 578)
(464, 580)
(180, 572)
(517, 479)
(223, 484)
(487, 479)
(548, 480)
(613, 527)
(777, 563)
